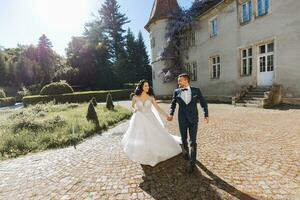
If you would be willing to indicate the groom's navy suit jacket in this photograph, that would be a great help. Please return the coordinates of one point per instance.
(188, 111)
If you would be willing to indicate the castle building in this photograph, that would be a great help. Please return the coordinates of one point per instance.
(235, 44)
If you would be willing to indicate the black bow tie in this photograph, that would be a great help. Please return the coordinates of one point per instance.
(184, 89)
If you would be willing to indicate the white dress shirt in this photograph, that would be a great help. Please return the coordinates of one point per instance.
(186, 95)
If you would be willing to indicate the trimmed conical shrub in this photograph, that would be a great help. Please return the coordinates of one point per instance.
(93, 100)
(109, 102)
(92, 115)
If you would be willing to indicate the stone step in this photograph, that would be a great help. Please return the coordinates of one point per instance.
(252, 98)
(259, 90)
(250, 101)
(248, 105)
(256, 92)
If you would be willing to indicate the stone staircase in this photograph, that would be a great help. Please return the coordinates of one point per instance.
(253, 97)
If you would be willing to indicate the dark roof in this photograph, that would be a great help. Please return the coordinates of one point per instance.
(204, 5)
(161, 10)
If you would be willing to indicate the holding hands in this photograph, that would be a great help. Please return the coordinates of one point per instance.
(170, 118)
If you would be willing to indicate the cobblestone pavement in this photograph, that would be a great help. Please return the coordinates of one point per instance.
(243, 153)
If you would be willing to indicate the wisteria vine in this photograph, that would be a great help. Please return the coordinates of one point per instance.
(179, 22)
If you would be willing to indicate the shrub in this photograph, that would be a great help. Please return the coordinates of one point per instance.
(109, 102)
(22, 93)
(55, 88)
(77, 97)
(9, 101)
(92, 115)
(2, 94)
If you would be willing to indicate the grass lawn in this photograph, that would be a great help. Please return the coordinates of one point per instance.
(45, 126)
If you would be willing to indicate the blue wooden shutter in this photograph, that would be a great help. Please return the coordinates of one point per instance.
(244, 10)
(250, 10)
(259, 7)
(266, 6)
(216, 26)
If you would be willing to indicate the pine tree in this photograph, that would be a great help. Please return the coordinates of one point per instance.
(46, 58)
(143, 59)
(112, 24)
(131, 65)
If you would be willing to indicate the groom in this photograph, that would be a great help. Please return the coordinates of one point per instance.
(187, 98)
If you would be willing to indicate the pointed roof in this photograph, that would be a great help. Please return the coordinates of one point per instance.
(161, 10)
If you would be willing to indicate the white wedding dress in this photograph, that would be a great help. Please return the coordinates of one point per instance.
(146, 141)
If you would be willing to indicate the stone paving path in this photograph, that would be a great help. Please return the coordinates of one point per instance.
(243, 153)
(14, 107)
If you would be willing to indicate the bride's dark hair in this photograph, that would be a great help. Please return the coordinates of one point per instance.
(139, 88)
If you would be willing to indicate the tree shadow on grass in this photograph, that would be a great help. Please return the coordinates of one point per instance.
(170, 180)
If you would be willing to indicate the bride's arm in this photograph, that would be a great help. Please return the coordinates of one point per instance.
(133, 109)
(161, 111)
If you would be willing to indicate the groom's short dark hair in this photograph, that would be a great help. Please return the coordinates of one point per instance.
(185, 75)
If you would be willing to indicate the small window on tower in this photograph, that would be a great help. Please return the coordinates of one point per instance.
(152, 42)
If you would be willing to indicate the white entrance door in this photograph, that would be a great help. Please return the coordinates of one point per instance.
(265, 64)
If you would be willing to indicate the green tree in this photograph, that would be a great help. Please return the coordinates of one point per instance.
(131, 69)
(46, 58)
(143, 59)
(26, 71)
(112, 22)
(92, 62)
(3, 69)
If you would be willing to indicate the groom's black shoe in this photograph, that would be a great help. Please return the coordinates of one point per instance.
(186, 155)
(191, 168)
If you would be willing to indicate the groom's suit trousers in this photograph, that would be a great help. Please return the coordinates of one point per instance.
(186, 128)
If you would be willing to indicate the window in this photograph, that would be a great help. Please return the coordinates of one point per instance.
(153, 74)
(262, 7)
(188, 39)
(191, 69)
(246, 55)
(266, 57)
(188, 68)
(214, 27)
(152, 42)
(215, 68)
(192, 35)
(246, 11)
(194, 72)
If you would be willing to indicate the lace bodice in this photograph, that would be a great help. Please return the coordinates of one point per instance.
(143, 106)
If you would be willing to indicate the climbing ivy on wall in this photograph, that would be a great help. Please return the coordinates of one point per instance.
(179, 23)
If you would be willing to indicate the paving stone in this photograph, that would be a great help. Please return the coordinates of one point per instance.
(243, 153)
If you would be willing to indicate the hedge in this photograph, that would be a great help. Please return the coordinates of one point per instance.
(9, 101)
(77, 97)
(56, 88)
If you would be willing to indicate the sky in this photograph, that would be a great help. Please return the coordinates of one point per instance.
(24, 21)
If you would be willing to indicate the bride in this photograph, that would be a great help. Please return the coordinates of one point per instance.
(146, 141)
